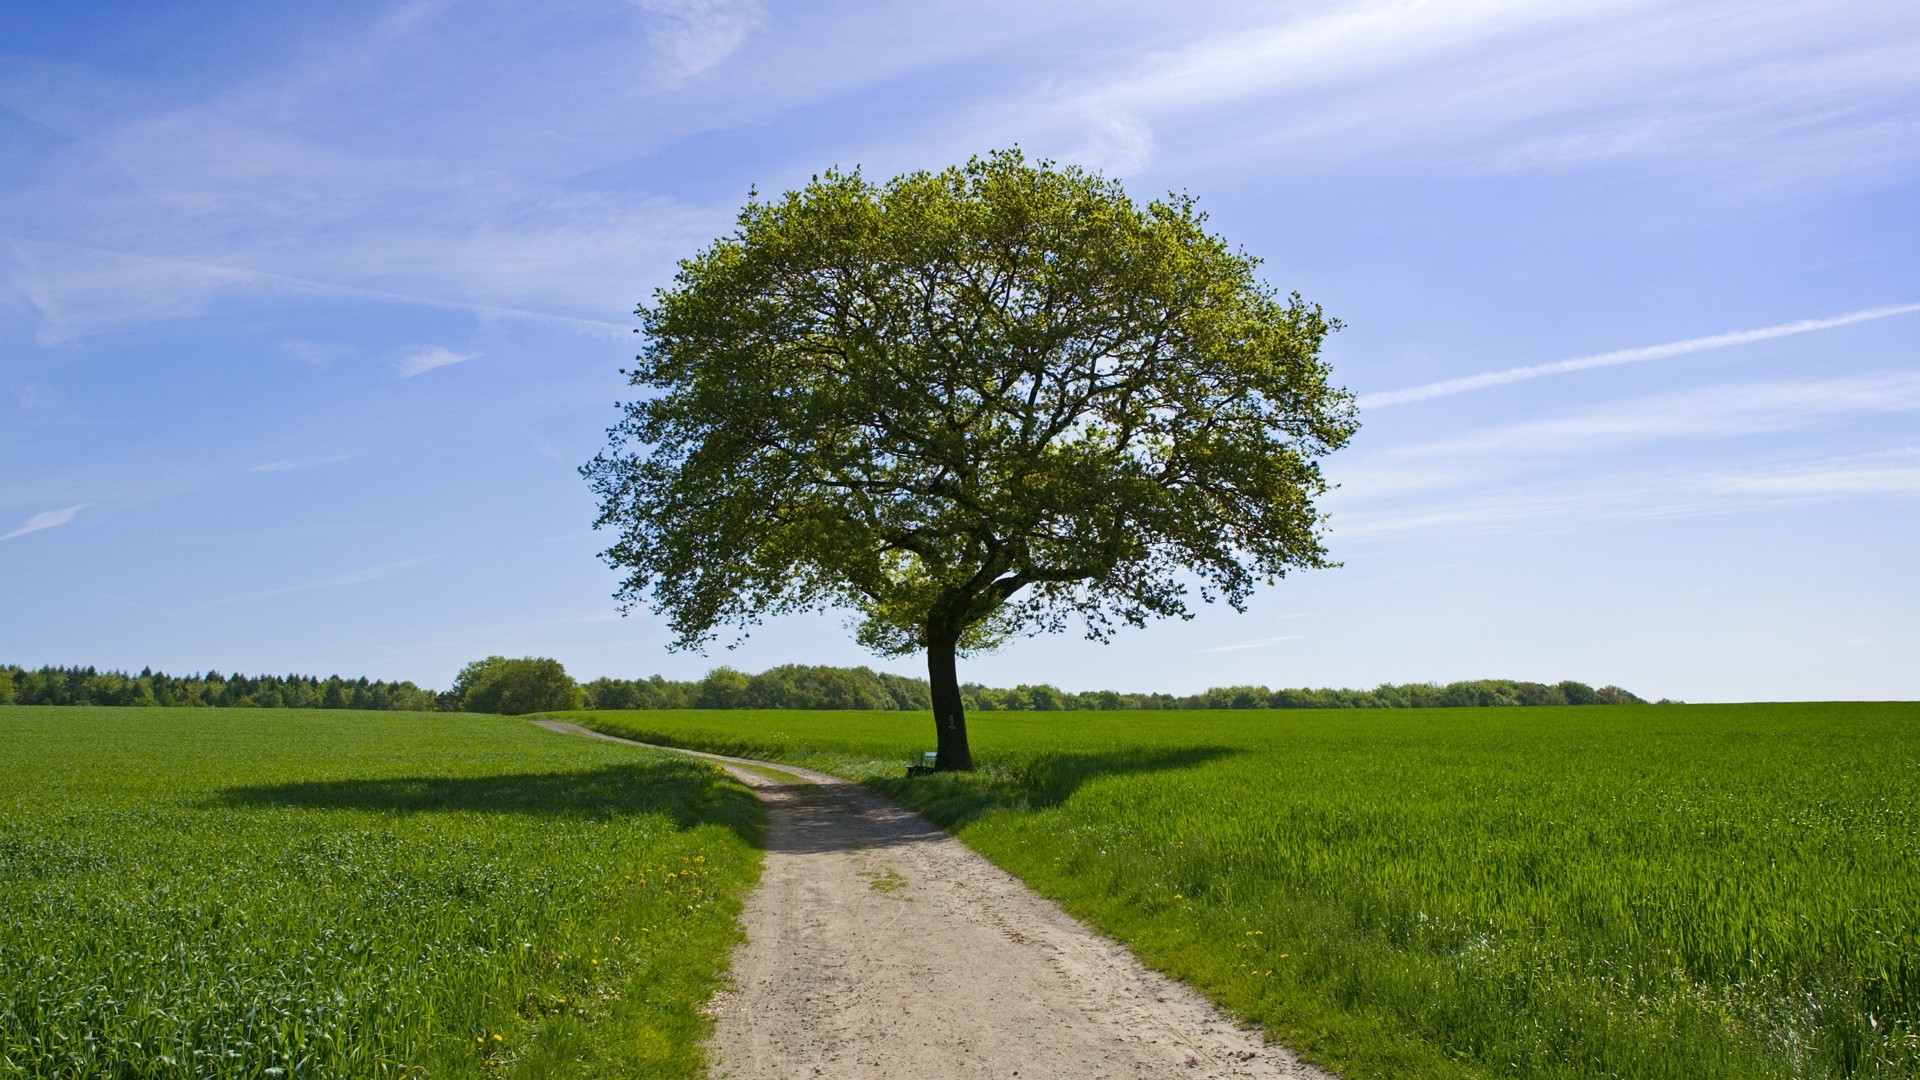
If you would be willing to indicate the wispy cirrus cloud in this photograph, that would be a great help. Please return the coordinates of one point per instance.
(295, 464)
(1599, 463)
(48, 519)
(39, 397)
(1699, 413)
(1505, 84)
(352, 577)
(1257, 643)
(386, 158)
(1886, 473)
(1641, 354)
(1640, 495)
(81, 290)
(426, 358)
(695, 35)
(317, 354)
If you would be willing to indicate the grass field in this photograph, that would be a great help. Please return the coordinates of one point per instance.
(1678, 892)
(241, 893)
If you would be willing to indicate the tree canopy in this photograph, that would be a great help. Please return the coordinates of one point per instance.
(967, 405)
(515, 687)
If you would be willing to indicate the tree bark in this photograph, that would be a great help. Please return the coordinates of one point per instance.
(949, 713)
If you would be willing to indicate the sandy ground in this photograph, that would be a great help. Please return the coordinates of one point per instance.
(880, 946)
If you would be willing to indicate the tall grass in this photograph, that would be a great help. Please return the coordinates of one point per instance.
(1653, 892)
(241, 893)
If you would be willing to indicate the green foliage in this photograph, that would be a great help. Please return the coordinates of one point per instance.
(1479, 693)
(88, 686)
(1673, 893)
(516, 687)
(248, 894)
(798, 686)
(790, 686)
(967, 404)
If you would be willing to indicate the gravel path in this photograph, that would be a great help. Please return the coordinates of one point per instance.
(880, 946)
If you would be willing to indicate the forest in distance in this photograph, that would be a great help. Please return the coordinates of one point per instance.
(789, 686)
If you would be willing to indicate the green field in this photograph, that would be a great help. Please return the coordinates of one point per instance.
(1678, 892)
(245, 893)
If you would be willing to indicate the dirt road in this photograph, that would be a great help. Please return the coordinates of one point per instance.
(880, 946)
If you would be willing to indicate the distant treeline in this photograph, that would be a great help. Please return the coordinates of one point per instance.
(87, 686)
(790, 686)
(795, 686)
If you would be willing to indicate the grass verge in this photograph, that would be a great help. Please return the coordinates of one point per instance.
(1678, 892)
(228, 893)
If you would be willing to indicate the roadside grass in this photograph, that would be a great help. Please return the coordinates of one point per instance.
(282, 893)
(1655, 892)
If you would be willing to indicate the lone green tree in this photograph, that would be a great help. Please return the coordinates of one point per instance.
(516, 687)
(967, 405)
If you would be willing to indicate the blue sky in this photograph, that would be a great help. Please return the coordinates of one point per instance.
(308, 313)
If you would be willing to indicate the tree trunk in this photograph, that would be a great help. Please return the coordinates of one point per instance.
(949, 713)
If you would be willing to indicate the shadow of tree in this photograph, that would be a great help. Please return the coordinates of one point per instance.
(1038, 782)
(684, 792)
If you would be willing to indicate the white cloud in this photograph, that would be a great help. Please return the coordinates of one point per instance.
(426, 358)
(1509, 83)
(1896, 473)
(1114, 142)
(1578, 466)
(1706, 412)
(383, 162)
(1257, 643)
(40, 397)
(319, 354)
(1641, 354)
(292, 464)
(1545, 506)
(81, 290)
(696, 35)
(353, 577)
(46, 520)
(77, 290)
(1646, 494)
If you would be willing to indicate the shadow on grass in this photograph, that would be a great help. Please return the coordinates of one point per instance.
(683, 792)
(1036, 783)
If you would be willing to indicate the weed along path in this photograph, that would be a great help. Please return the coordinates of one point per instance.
(880, 946)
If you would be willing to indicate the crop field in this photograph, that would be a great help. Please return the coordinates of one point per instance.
(1675, 892)
(287, 893)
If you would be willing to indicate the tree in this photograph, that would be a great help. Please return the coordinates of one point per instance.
(515, 687)
(966, 405)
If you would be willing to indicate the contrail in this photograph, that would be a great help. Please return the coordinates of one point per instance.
(1465, 383)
